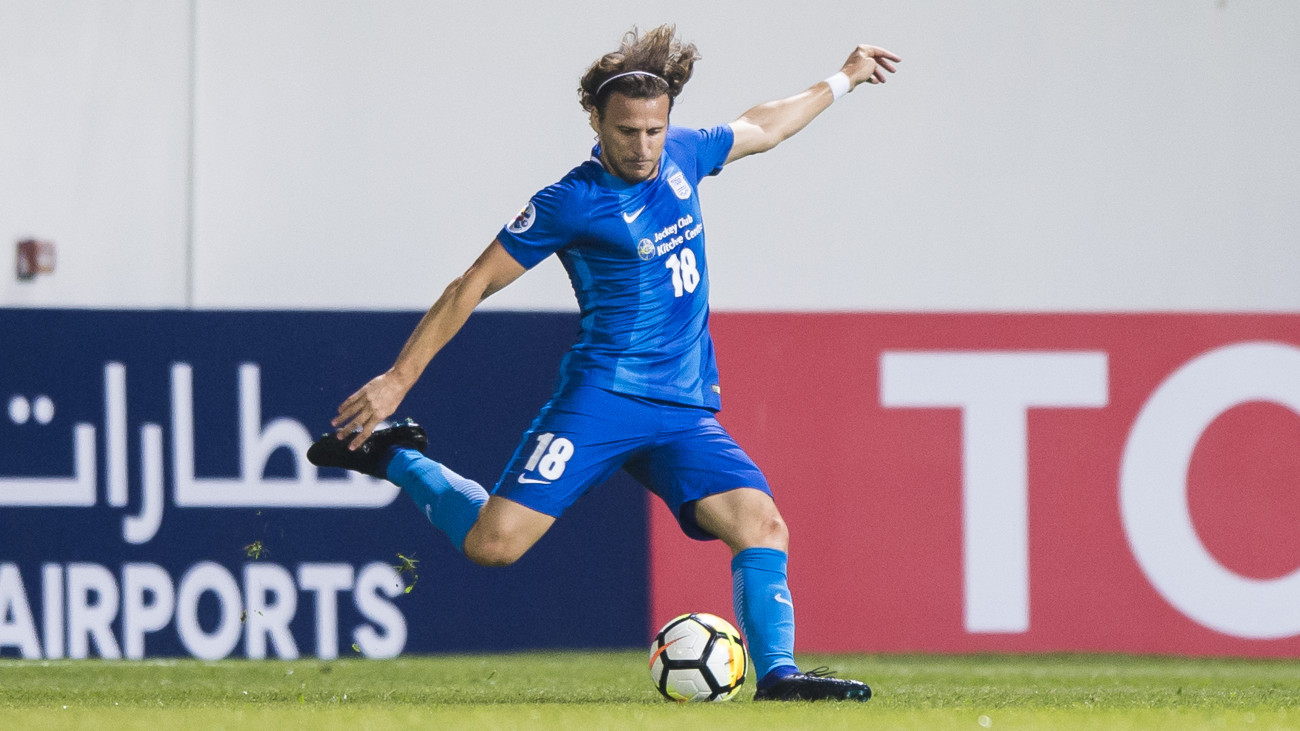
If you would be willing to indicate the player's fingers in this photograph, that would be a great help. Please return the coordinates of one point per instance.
(880, 53)
(353, 412)
(886, 64)
(344, 431)
(348, 428)
(350, 407)
(345, 414)
(362, 436)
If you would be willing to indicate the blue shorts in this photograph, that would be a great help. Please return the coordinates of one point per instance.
(582, 437)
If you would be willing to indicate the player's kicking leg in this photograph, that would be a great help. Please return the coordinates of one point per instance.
(451, 502)
(748, 522)
(568, 448)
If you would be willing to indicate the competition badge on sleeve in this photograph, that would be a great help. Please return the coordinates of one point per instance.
(524, 220)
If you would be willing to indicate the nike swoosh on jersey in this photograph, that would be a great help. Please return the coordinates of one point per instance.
(630, 217)
(782, 600)
(530, 481)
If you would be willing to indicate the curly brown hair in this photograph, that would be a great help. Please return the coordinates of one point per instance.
(658, 52)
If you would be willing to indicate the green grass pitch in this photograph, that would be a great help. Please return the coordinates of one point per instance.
(579, 690)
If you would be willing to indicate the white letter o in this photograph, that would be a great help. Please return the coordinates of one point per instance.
(204, 577)
(1153, 490)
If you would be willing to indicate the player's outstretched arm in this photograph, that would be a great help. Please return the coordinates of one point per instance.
(362, 412)
(768, 125)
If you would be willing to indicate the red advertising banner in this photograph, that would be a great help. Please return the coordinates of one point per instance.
(1017, 482)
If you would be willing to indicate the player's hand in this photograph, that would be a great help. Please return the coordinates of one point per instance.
(364, 410)
(869, 64)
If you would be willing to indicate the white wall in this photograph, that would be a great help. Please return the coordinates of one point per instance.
(1028, 156)
(94, 123)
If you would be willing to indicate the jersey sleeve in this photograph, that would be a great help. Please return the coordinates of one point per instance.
(543, 227)
(711, 149)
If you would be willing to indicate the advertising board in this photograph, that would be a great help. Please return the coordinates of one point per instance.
(1008, 482)
(155, 498)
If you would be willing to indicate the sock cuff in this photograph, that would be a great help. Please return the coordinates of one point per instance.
(764, 559)
(399, 459)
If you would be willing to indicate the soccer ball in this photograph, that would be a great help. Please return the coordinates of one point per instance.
(698, 657)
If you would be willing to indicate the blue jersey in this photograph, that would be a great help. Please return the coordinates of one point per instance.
(635, 255)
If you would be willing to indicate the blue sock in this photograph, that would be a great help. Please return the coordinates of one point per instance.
(766, 614)
(448, 500)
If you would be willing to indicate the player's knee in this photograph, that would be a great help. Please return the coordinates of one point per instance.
(771, 531)
(765, 527)
(759, 528)
(491, 550)
(491, 554)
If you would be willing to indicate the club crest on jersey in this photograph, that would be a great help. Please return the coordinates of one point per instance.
(645, 249)
(524, 220)
(681, 188)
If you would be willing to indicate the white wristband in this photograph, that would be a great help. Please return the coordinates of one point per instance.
(839, 84)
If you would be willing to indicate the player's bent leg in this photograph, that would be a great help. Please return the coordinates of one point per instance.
(451, 502)
(504, 532)
(743, 518)
(748, 521)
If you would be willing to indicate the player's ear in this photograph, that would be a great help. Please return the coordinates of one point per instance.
(595, 121)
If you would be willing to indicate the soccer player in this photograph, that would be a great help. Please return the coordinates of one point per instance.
(639, 389)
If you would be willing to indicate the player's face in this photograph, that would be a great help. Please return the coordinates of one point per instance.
(632, 133)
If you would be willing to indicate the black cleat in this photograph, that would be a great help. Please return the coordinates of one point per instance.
(814, 685)
(369, 458)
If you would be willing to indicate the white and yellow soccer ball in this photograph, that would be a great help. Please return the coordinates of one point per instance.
(698, 657)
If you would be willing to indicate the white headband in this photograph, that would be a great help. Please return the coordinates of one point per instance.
(628, 73)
